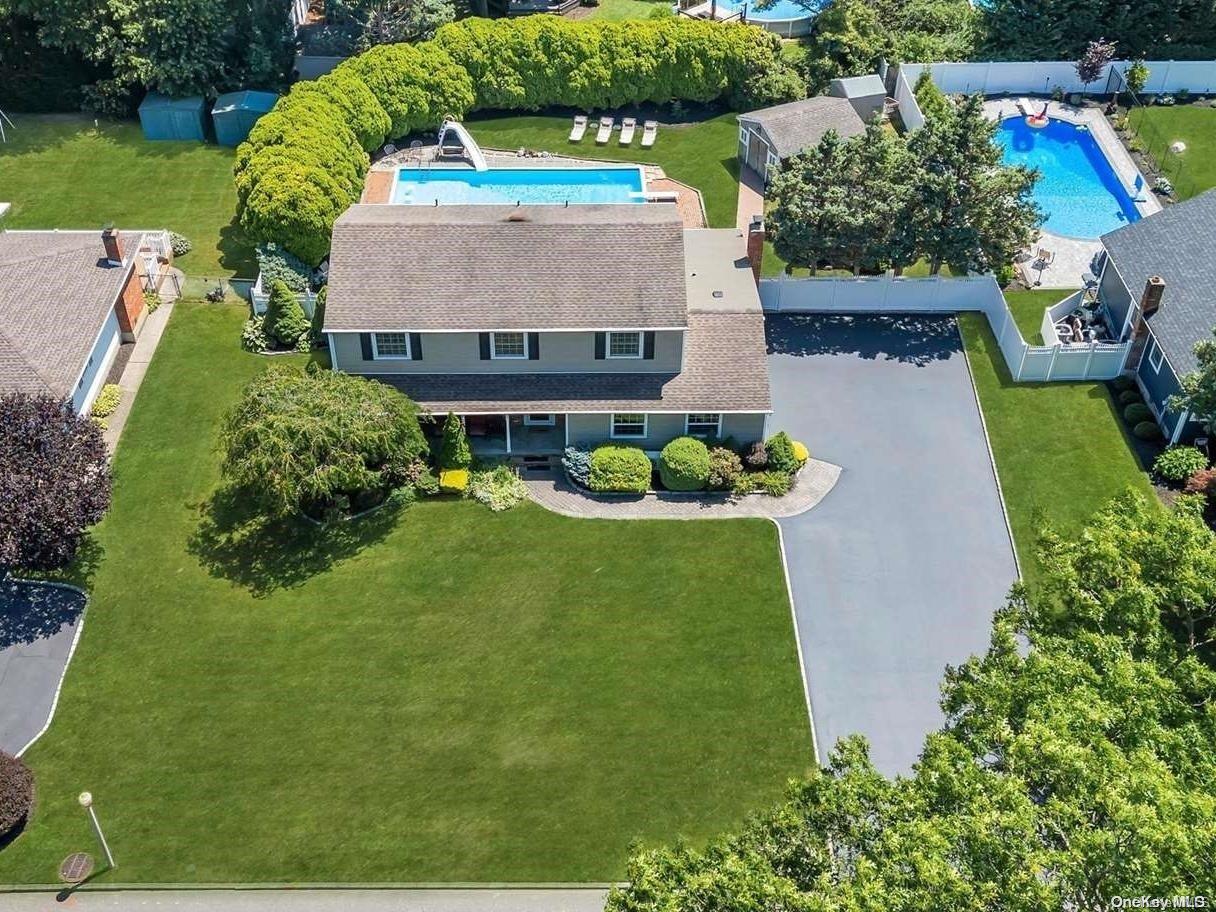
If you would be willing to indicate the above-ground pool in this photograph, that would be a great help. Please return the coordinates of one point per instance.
(530, 186)
(787, 18)
(1078, 190)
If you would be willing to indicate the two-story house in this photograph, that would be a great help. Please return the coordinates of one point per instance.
(545, 326)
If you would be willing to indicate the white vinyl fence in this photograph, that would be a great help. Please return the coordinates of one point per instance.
(909, 107)
(1039, 77)
(898, 295)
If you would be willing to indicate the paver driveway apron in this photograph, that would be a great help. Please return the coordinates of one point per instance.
(898, 571)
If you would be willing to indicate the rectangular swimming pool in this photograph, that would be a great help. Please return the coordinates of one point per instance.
(1078, 190)
(529, 186)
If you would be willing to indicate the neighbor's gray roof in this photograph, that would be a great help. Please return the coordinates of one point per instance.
(799, 125)
(506, 267)
(1176, 244)
(724, 371)
(858, 86)
(56, 291)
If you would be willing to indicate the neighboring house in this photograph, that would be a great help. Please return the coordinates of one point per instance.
(550, 325)
(1158, 283)
(769, 136)
(68, 299)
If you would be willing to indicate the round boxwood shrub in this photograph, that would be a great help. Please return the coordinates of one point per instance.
(1147, 430)
(1127, 397)
(1178, 463)
(1136, 413)
(1123, 383)
(684, 465)
(623, 469)
(16, 793)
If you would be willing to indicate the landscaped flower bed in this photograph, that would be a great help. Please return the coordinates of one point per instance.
(688, 465)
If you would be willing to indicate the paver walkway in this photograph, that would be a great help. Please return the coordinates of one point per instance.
(38, 625)
(554, 492)
(312, 900)
(751, 198)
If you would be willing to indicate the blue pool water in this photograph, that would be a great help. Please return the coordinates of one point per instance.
(1078, 190)
(531, 186)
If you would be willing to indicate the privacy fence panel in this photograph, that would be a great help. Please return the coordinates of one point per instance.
(1032, 77)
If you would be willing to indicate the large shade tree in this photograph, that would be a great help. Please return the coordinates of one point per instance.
(1198, 395)
(319, 442)
(54, 481)
(1075, 765)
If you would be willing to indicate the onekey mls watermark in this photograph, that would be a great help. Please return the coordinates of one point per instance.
(1160, 902)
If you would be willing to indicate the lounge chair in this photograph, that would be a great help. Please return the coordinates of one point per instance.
(605, 130)
(1045, 256)
(650, 130)
(579, 129)
(628, 125)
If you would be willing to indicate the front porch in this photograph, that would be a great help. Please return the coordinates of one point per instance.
(508, 435)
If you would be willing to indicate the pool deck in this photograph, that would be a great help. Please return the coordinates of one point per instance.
(1073, 256)
(378, 186)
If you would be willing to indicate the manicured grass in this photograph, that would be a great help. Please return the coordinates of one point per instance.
(1194, 124)
(1060, 448)
(61, 171)
(628, 9)
(445, 694)
(701, 154)
(1027, 307)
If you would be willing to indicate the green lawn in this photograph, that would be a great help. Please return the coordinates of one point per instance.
(701, 154)
(1194, 170)
(444, 695)
(59, 171)
(628, 9)
(1027, 308)
(1059, 447)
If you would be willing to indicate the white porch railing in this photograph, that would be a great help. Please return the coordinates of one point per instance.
(895, 295)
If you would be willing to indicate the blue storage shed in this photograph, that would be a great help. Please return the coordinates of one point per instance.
(163, 117)
(235, 114)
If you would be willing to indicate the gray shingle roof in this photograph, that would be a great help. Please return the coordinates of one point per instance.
(1177, 244)
(798, 125)
(724, 371)
(505, 267)
(56, 292)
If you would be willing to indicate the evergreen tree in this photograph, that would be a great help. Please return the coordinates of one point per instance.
(318, 316)
(454, 452)
(285, 319)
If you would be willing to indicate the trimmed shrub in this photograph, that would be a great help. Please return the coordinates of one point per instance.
(624, 469)
(106, 403)
(454, 451)
(416, 85)
(453, 481)
(725, 467)
(1147, 430)
(801, 453)
(1178, 463)
(365, 115)
(16, 793)
(577, 464)
(501, 488)
(780, 449)
(757, 456)
(1128, 396)
(277, 265)
(773, 483)
(684, 465)
(1122, 383)
(179, 244)
(1136, 413)
(1202, 482)
(285, 320)
(318, 316)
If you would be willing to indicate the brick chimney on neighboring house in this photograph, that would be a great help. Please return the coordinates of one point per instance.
(111, 241)
(755, 245)
(1150, 303)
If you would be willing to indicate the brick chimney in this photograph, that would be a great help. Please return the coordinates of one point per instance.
(113, 245)
(1150, 303)
(755, 245)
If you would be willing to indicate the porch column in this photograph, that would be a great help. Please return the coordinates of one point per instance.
(1182, 422)
(566, 426)
(506, 419)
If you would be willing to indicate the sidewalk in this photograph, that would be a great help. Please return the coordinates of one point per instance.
(314, 900)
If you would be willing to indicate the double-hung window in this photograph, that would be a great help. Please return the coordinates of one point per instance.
(508, 345)
(624, 345)
(391, 345)
(628, 425)
(703, 424)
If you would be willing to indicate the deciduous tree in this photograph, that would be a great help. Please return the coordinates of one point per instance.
(1199, 386)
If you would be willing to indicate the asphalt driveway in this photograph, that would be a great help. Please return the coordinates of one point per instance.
(37, 627)
(898, 571)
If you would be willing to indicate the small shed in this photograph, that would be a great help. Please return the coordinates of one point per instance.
(867, 94)
(771, 135)
(235, 114)
(163, 117)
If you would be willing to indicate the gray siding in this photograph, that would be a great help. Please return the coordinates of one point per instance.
(589, 430)
(1114, 294)
(560, 352)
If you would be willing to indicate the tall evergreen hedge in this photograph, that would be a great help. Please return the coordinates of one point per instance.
(304, 163)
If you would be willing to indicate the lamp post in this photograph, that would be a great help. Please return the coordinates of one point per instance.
(86, 802)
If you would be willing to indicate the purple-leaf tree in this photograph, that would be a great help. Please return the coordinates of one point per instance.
(54, 481)
(1097, 55)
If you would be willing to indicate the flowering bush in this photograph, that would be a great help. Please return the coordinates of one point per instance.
(1178, 463)
(725, 467)
(501, 488)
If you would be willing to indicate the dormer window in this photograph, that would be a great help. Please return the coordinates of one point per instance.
(624, 345)
(508, 345)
